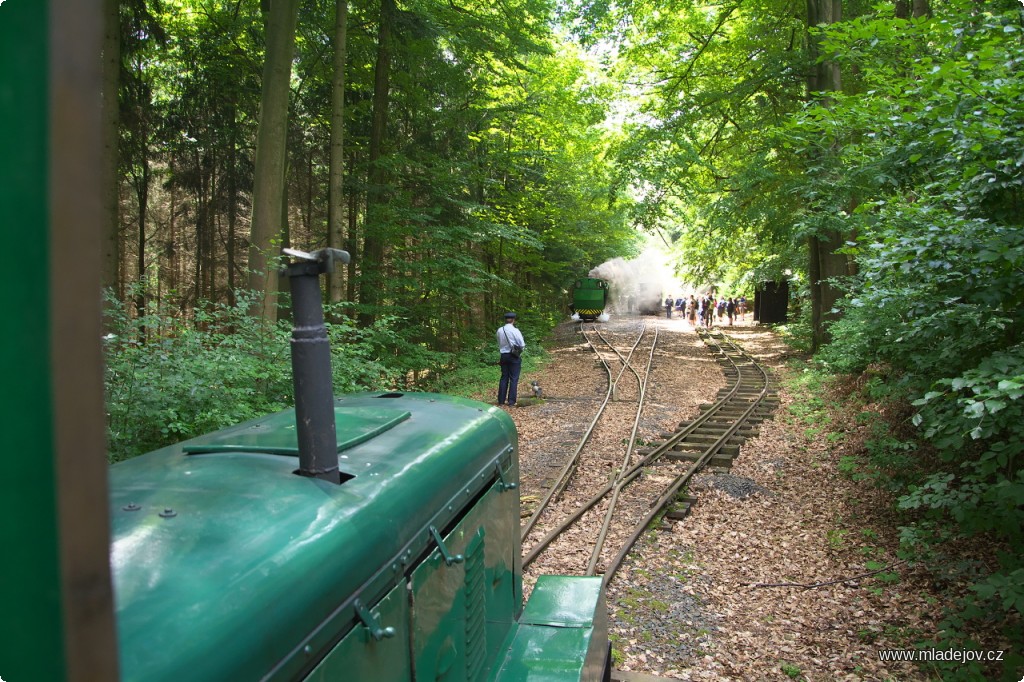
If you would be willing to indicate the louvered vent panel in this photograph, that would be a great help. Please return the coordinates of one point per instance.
(476, 609)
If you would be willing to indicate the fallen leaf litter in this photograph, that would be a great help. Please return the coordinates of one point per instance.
(684, 605)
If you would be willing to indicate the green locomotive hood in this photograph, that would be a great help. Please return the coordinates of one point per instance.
(229, 565)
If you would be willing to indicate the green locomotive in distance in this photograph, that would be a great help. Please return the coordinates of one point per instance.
(589, 297)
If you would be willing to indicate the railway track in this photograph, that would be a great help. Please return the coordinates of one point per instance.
(655, 475)
(613, 390)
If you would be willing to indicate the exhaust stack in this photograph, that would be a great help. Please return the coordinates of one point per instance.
(311, 364)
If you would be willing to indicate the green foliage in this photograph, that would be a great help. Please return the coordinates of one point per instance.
(168, 379)
(710, 83)
(498, 186)
(797, 332)
(792, 671)
(926, 136)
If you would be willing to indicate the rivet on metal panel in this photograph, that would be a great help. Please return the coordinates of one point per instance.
(168, 513)
(307, 650)
(131, 506)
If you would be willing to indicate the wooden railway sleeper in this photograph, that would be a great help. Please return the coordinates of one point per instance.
(722, 459)
(717, 427)
(700, 448)
(732, 412)
(738, 405)
(706, 439)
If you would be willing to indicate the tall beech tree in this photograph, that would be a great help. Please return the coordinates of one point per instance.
(269, 201)
(826, 262)
(111, 246)
(376, 233)
(335, 194)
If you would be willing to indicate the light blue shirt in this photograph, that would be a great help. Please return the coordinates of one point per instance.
(508, 335)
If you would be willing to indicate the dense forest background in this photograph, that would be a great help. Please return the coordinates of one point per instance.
(479, 155)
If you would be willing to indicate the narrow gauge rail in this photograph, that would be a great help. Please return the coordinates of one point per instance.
(716, 432)
(566, 474)
(607, 467)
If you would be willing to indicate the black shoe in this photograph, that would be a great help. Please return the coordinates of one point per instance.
(513, 404)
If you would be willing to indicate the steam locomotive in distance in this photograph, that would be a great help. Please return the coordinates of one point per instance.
(369, 537)
(589, 297)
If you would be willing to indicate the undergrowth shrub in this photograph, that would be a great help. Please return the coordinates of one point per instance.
(168, 379)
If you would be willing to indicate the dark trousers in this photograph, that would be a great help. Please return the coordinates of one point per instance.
(509, 384)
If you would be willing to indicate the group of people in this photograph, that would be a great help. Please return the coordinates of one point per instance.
(701, 312)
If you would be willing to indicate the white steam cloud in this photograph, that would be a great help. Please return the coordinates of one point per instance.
(642, 284)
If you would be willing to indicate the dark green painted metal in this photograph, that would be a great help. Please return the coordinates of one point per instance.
(562, 601)
(235, 568)
(562, 633)
(276, 435)
(589, 296)
(362, 657)
(31, 628)
(448, 635)
(541, 654)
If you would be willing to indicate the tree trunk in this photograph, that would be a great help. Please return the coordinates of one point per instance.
(307, 222)
(213, 220)
(142, 195)
(824, 262)
(268, 183)
(352, 239)
(232, 206)
(205, 212)
(336, 177)
(172, 237)
(374, 229)
(111, 239)
(906, 9)
(197, 268)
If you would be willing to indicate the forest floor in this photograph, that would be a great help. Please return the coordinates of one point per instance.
(775, 573)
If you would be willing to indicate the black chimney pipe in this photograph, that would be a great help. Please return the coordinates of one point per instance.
(311, 364)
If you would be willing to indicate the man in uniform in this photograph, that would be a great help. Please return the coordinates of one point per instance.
(510, 344)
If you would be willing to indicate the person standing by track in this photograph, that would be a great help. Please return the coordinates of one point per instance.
(511, 345)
